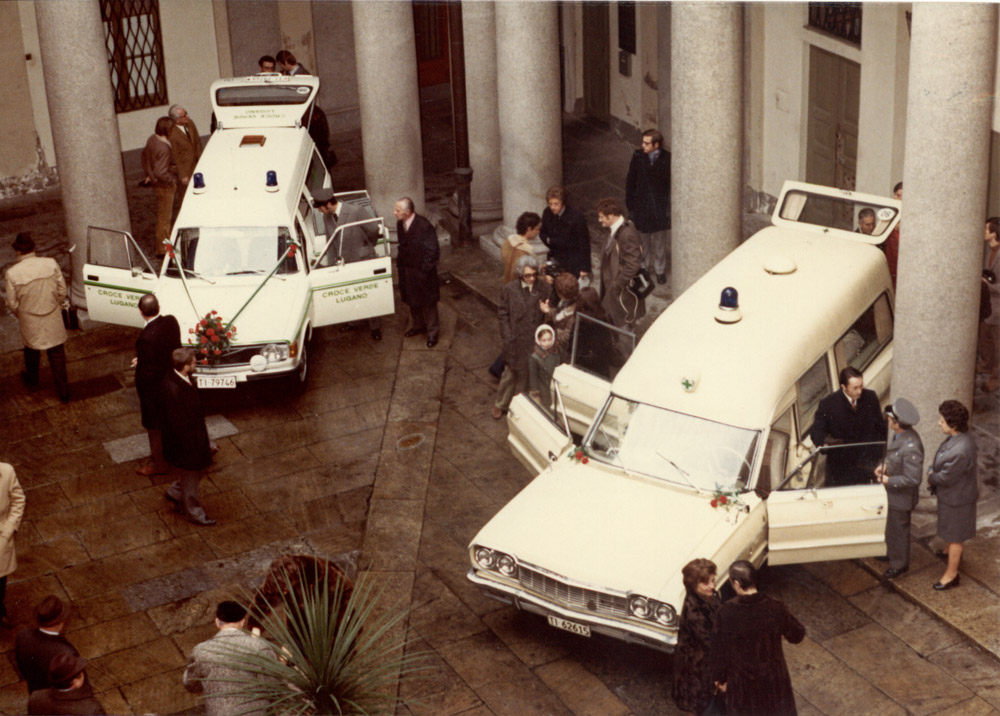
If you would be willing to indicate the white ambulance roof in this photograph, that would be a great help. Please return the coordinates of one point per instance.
(235, 175)
(743, 369)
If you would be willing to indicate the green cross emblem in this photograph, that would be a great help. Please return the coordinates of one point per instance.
(688, 384)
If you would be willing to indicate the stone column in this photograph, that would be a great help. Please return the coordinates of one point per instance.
(706, 56)
(946, 171)
(389, 99)
(663, 72)
(84, 125)
(479, 21)
(530, 106)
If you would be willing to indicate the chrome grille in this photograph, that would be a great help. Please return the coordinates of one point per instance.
(588, 600)
(239, 355)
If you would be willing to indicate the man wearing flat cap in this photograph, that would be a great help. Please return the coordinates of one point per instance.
(901, 474)
(353, 243)
(70, 694)
(34, 649)
(36, 292)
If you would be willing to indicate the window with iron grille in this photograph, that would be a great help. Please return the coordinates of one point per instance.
(135, 53)
(841, 19)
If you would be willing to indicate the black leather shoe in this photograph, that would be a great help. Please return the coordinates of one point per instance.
(376, 334)
(953, 583)
(29, 384)
(941, 554)
(661, 278)
(414, 332)
(894, 572)
(431, 342)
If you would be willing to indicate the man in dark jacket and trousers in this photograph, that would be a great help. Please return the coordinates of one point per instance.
(34, 649)
(152, 363)
(185, 438)
(70, 694)
(901, 473)
(520, 314)
(647, 196)
(416, 260)
(849, 415)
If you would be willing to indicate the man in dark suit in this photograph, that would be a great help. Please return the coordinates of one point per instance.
(185, 438)
(354, 243)
(620, 262)
(416, 261)
(289, 65)
(34, 649)
(70, 694)
(152, 362)
(647, 196)
(850, 415)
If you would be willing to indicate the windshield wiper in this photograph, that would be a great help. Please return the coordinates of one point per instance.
(248, 271)
(684, 474)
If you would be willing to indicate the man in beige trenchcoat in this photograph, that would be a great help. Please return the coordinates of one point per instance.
(11, 512)
(36, 292)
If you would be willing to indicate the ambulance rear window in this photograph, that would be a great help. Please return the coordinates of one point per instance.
(261, 95)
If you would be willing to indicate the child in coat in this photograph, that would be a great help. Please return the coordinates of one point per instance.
(542, 363)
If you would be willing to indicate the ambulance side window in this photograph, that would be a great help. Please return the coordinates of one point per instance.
(772, 467)
(813, 386)
(866, 338)
(301, 238)
(316, 176)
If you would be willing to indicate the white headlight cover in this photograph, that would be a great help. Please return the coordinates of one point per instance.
(506, 565)
(485, 558)
(275, 352)
(639, 607)
(665, 614)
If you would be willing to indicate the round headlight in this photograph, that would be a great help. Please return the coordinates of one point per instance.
(665, 614)
(506, 565)
(275, 352)
(639, 606)
(486, 558)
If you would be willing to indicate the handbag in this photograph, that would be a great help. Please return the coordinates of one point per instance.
(641, 285)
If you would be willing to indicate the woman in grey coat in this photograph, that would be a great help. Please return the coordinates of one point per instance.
(952, 478)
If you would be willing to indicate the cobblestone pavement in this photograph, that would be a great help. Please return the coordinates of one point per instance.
(390, 455)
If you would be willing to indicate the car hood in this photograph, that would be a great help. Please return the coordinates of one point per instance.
(273, 315)
(599, 527)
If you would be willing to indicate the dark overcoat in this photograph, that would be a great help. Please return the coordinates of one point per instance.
(153, 348)
(519, 316)
(417, 260)
(568, 239)
(182, 420)
(620, 262)
(647, 191)
(77, 702)
(865, 423)
(747, 655)
(34, 650)
(693, 687)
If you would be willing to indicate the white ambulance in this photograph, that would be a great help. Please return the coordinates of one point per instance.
(248, 244)
(700, 445)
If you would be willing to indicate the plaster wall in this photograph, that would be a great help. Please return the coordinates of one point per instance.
(333, 24)
(882, 104)
(39, 106)
(295, 18)
(625, 93)
(254, 30)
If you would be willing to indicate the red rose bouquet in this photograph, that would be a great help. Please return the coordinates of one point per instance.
(210, 338)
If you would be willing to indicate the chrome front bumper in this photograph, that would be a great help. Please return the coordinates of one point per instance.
(631, 633)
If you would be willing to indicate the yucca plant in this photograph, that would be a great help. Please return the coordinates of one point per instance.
(336, 651)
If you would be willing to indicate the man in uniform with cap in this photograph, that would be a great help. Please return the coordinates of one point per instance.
(70, 694)
(34, 649)
(36, 292)
(901, 473)
(356, 243)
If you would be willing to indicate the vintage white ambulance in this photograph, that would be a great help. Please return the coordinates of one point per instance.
(699, 447)
(247, 242)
